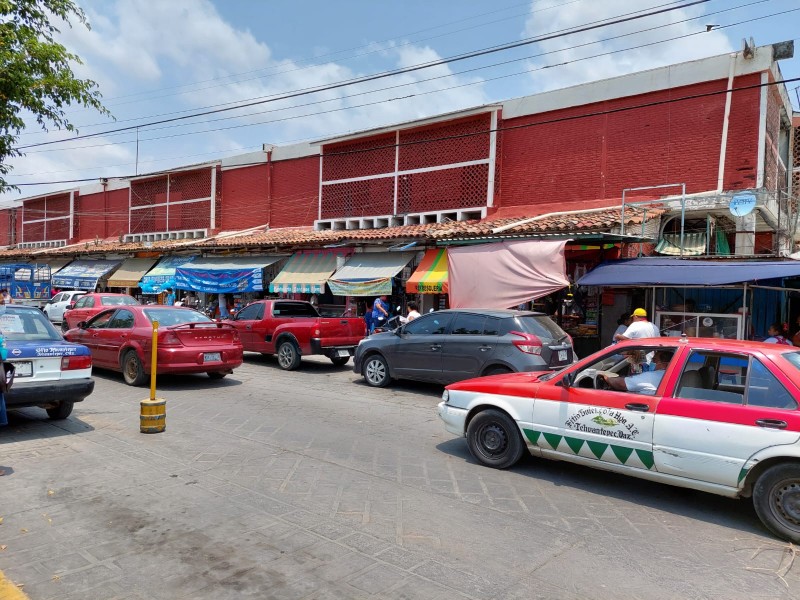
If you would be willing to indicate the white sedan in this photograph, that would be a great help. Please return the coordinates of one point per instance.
(720, 416)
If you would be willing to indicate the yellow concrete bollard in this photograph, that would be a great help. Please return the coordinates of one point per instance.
(153, 411)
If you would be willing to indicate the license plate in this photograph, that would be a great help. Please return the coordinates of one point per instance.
(562, 355)
(212, 357)
(343, 353)
(23, 369)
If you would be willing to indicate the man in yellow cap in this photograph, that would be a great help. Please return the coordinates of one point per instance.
(640, 328)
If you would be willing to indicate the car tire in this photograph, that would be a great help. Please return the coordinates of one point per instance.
(288, 355)
(494, 439)
(776, 498)
(497, 371)
(64, 326)
(376, 371)
(339, 361)
(132, 369)
(62, 411)
(216, 375)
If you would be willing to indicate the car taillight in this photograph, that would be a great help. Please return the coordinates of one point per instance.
(169, 339)
(71, 363)
(529, 344)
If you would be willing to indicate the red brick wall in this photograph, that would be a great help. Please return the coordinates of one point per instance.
(5, 227)
(741, 157)
(574, 161)
(295, 189)
(101, 215)
(245, 198)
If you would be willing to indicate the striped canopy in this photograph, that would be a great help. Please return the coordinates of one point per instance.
(305, 272)
(431, 274)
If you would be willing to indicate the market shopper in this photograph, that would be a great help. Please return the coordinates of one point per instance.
(169, 299)
(380, 312)
(639, 328)
(413, 311)
(622, 324)
(775, 333)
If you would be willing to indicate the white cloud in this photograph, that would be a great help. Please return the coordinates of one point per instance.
(619, 63)
(140, 45)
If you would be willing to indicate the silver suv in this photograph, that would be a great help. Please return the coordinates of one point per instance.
(451, 345)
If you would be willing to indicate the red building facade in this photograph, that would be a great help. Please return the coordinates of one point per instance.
(565, 150)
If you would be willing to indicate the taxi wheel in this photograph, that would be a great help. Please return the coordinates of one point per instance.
(776, 498)
(494, 440)
(132, 369)
(376, 371)
(339, 361)
(62, 411)
(214, 375)
(288, 356)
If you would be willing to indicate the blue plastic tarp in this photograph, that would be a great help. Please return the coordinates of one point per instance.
(224, 275)
(83, 274)
(162, 276)
(671, 271)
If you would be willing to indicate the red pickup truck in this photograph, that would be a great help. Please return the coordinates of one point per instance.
(292, 328)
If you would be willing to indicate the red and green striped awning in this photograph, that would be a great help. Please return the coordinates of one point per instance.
(431, 274)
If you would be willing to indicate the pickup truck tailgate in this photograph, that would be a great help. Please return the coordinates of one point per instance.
(340, 331)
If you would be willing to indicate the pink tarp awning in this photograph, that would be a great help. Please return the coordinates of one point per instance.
(505, 274)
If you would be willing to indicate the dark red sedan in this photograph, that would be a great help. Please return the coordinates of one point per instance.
(188, 342)
(89, 305)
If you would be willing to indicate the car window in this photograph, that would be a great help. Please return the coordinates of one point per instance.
(100, 321)
(713, 376)
(123, 319)
(764, 389)
(630, 365)
(294, 309)
(252, 312)
(117, 301)
(80, 302)
(57, 298)
(432, 324)
(468, 324)
(541, 326)
(492, 326)
(26, 325)
(175, 316)
(88, 302)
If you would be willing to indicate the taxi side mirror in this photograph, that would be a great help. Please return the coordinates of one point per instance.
(568, 380)
(82, 325)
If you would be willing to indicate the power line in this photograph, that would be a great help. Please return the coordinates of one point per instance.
(272, 71)
(497, 129)
(383, 101)
(384, 74)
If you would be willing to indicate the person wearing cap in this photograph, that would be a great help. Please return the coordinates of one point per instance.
(639, 328)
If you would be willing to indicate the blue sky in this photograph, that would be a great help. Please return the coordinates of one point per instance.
(154, 60)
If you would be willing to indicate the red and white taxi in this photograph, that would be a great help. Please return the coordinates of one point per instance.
(720, 416)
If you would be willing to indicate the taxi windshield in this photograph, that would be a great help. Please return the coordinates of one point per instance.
(26, 325)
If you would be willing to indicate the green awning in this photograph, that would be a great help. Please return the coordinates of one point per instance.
(368, 273)
(694, 244)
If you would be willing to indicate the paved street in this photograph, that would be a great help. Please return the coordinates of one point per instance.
(311, 485)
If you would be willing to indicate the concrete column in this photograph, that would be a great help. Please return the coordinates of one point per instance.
(745, 234)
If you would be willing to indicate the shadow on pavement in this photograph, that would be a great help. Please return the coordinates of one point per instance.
(33, 423)
(692, 504)
(197, 381)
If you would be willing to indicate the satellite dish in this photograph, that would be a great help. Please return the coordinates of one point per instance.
(742, 204)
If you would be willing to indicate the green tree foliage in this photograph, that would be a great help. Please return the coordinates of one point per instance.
(36, 79)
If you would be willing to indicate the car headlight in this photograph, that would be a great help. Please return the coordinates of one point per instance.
(446, 396)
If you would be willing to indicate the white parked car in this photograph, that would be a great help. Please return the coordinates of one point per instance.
(55, 307)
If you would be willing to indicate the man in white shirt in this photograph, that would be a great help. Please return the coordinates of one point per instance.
(639, 329)
(644, 383)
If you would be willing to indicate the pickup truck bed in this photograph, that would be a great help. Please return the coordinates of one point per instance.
(293, 328)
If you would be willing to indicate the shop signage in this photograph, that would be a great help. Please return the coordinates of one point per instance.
(742, 204)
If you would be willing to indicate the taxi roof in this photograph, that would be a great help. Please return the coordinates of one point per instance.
(708, 343)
